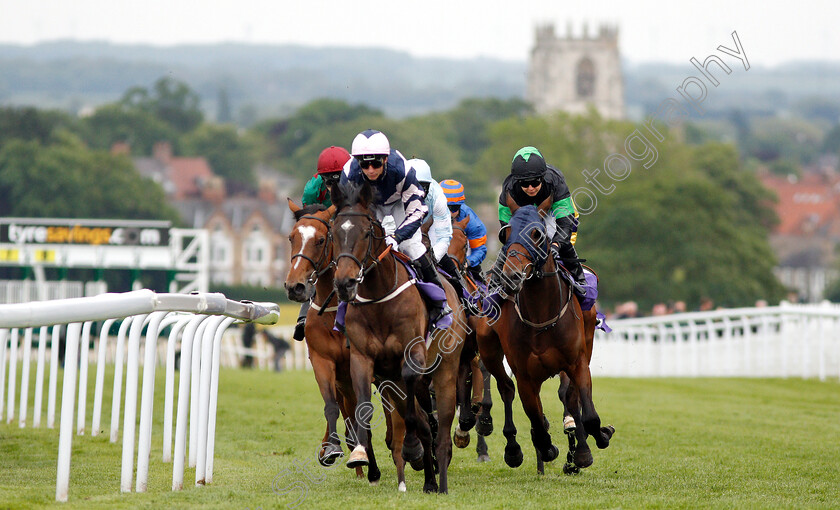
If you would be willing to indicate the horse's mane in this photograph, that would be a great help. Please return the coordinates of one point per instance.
(309, 209)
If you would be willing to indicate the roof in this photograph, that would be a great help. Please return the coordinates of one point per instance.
(807, 206)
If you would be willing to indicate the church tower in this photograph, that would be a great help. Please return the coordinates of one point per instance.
(570, 74)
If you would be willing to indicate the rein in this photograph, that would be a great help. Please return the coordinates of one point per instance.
(364, 270)
(539, 274)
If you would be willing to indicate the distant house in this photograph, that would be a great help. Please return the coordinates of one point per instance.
(248, 244)
(808, 233)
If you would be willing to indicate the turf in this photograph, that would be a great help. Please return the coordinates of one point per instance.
(680, 443)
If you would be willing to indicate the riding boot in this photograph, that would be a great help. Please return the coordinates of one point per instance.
(567, 254)
(448, 265)
(429, 273)
(301, 322)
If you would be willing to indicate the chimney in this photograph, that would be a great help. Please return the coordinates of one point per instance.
(163, 152)
(121, 149)
(213, 190)
(267, 191)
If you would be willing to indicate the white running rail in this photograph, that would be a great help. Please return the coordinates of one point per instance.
(199, 318)
(781, 341)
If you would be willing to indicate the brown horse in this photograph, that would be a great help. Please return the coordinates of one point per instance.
(311, 278)
(387, 324)
(542, 333)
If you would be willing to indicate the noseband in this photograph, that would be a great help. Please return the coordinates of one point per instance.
(316, 272)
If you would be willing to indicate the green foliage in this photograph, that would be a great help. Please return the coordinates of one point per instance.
(69, 181)
(229, 154)
(32, 124)
(171, 101)
(775, 138)
(140, 129)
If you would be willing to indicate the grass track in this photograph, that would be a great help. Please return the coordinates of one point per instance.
(680, 443)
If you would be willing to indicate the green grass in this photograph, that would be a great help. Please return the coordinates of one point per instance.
(680, 443)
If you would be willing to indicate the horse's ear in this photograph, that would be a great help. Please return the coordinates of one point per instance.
(331, 210)
(511, 203)
(366, 194)
(463, 223)
(545, 206)
(337, 195)
(293, 206)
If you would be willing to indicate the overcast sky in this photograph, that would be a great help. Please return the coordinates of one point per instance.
(770, 31)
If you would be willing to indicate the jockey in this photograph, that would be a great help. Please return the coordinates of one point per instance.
(530, 182)
(440, 233)
(330, 163)
(317, 191)
(398, 194)
(475, 230)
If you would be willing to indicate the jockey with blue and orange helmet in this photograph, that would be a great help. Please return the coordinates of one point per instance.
(475, 229)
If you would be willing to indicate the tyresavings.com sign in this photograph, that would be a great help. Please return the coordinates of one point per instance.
(24, 231)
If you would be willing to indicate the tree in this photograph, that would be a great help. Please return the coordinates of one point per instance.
(172, 101)
(32, 124)
(140, 129)
(66, 180)
(230, 155)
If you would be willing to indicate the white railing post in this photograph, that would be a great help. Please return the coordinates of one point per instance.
(169, 390)
(84, 348)
(183, 403)
(68, 392)
(130, 419)
(4, 337)
(147, 403)
(24, 377)
(214, 399)
(116, 398)
(201, 336)
(100, 376)
(43, 333)
(55, 341)
(204, 397)
(10, 405)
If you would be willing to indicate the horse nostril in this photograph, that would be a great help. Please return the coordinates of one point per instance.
(299, 288)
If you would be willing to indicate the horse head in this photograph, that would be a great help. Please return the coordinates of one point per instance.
(358, 237)
(458, 245)
(311, 249)
(526, 246)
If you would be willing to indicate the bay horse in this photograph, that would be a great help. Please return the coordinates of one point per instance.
(387, 324)
(542, 333)
(310, 277)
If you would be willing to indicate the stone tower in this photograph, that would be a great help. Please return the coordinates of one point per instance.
(569, 73)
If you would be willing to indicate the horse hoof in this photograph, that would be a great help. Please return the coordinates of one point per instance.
(570, 469)
(513, 456)
(417, 465)
(484, 425)
(412, 452)
(550, 454)
(430, 488)
(461, 438)
(484, 458)
(467, 422)
(606, 434)
(374, 475)
(358, 458)
(374, 483)
(583, 458)
(401, 487)
(329, 454)
(569, 425)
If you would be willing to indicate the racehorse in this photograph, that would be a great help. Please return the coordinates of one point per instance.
(310, 277)
(387, 324)
(473, 369)
(542, 333)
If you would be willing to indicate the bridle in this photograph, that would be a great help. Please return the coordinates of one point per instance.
(374, 224)
(316, 273)
(532, 271)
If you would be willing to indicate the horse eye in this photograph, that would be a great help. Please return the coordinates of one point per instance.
(367, 234)
(319, 242)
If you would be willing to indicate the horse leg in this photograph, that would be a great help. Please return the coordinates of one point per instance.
(324, 370)
(461, 436)
(346, 407)
(361, 372)
(484, 427)
(529, 394)
(591, 420)
(507, 390)
(412, 448)
(565, 394)
(446, 404)
(397, 433)
(481, 449)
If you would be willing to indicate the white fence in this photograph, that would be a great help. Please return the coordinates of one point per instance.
(199, 318)
(781, 341)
